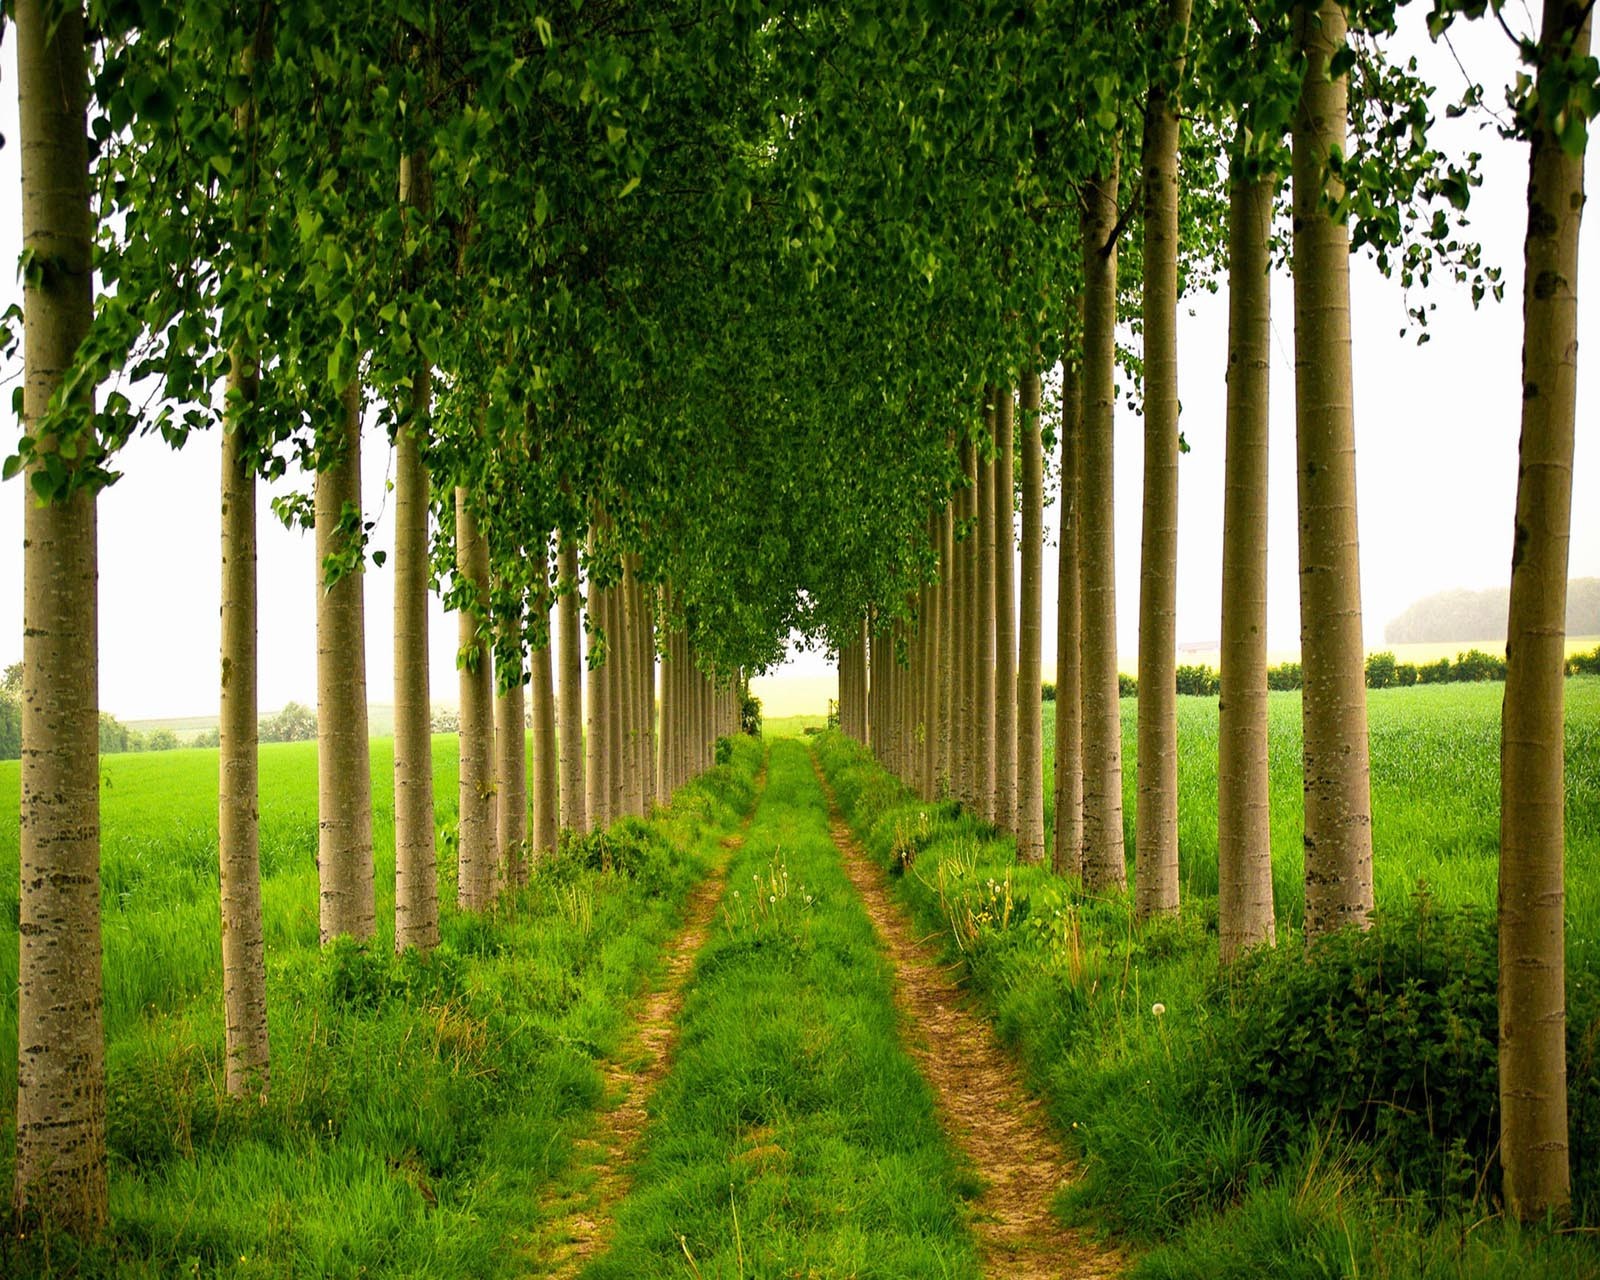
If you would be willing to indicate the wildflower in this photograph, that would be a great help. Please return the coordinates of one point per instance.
(772, 897)
(1158, 1008)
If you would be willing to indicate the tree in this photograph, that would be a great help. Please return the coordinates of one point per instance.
(1030, 726)
(1338, 805)
(1156, 813)
(61, 1100)
(1067, 856)
(344, 777)
(1533, 1062)
(1244, 832)
(1103, 863)
(1005, 612)
(476, 854)
(573, 811)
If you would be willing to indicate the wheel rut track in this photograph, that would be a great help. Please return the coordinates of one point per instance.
(577, 1225)
(984, 1107)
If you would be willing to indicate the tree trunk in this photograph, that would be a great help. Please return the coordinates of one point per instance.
(597, 784)
(244, 965)
(632, 727)
(932, 644)
(1005, 612)
(546, 786)
(1244, 830)
(511, 760)
(416, 889)
(616, 703)
(1533, 1015)
(967, 596)
(344, 775)
(947, 644)
(1067, 854)
(1030, 634)
(983, 612)
(475, 845)
(1338, 807)
(647, 686)
(573, 807)
(61, 1094)
(1155, 839)
(1103, 863)
(416, 884)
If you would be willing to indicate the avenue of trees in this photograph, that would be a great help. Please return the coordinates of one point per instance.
(694, 327)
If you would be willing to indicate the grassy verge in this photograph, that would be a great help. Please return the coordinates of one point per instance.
(419, 1105)
(793, 1135)
(1333, 1118)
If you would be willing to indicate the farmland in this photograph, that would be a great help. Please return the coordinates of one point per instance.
(184, 1161)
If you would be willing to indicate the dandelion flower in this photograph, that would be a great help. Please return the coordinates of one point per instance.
(1158, 1008)
(772, 897)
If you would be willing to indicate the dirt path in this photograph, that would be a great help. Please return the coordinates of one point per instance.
(577, 1225)
(985, 1109)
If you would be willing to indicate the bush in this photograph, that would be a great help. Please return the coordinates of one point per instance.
(1047, 691)
(1405, 674)
(1477, 665)
(1382, 671)
(1199, 682)
(1387, 1037)
(1286, 675)
(1127, 686)
(1434, 672)
(1584, 664)
(750, 714)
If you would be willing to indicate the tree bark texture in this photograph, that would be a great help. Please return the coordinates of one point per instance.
(1533, 1015)
(1103, 861)
(344, 776)
(61, 1096)
(1030, 634)
(1067, 851)
(1338, 805)
(1244, 829)
(476, 855)
(1155, 839)
(1005, 612)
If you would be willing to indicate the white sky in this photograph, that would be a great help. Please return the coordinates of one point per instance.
(1436, 455)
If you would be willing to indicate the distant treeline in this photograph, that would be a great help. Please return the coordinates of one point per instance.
(1481, 615)
(1383, 672)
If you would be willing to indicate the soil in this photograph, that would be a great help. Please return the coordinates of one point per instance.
(998, 1127)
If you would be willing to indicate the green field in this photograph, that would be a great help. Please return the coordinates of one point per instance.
(1435, 758)
(1326, 1118)
(422, 1109)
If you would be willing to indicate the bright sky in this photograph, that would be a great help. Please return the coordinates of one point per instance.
(1436, 455)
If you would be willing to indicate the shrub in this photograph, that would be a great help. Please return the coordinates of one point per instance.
(1388, 1036)
(1475, 664)
(1434, 672)
(1199, 681)
(1127, 686)
(1382, 671)
(750, 714)
(1405, 674)
(1286, 675)
(1584, 664)
(1047, 691)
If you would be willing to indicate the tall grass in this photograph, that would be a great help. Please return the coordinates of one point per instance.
(418, 1105)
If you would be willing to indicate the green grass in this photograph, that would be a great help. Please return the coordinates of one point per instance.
(793, 1136)
(419, 1106)
(1435, 753)
(792, 726)
(1361, 1152)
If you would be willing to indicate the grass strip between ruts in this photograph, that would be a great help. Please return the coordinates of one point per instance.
(793, 1135)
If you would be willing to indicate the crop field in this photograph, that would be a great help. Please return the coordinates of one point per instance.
(1435, 753)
